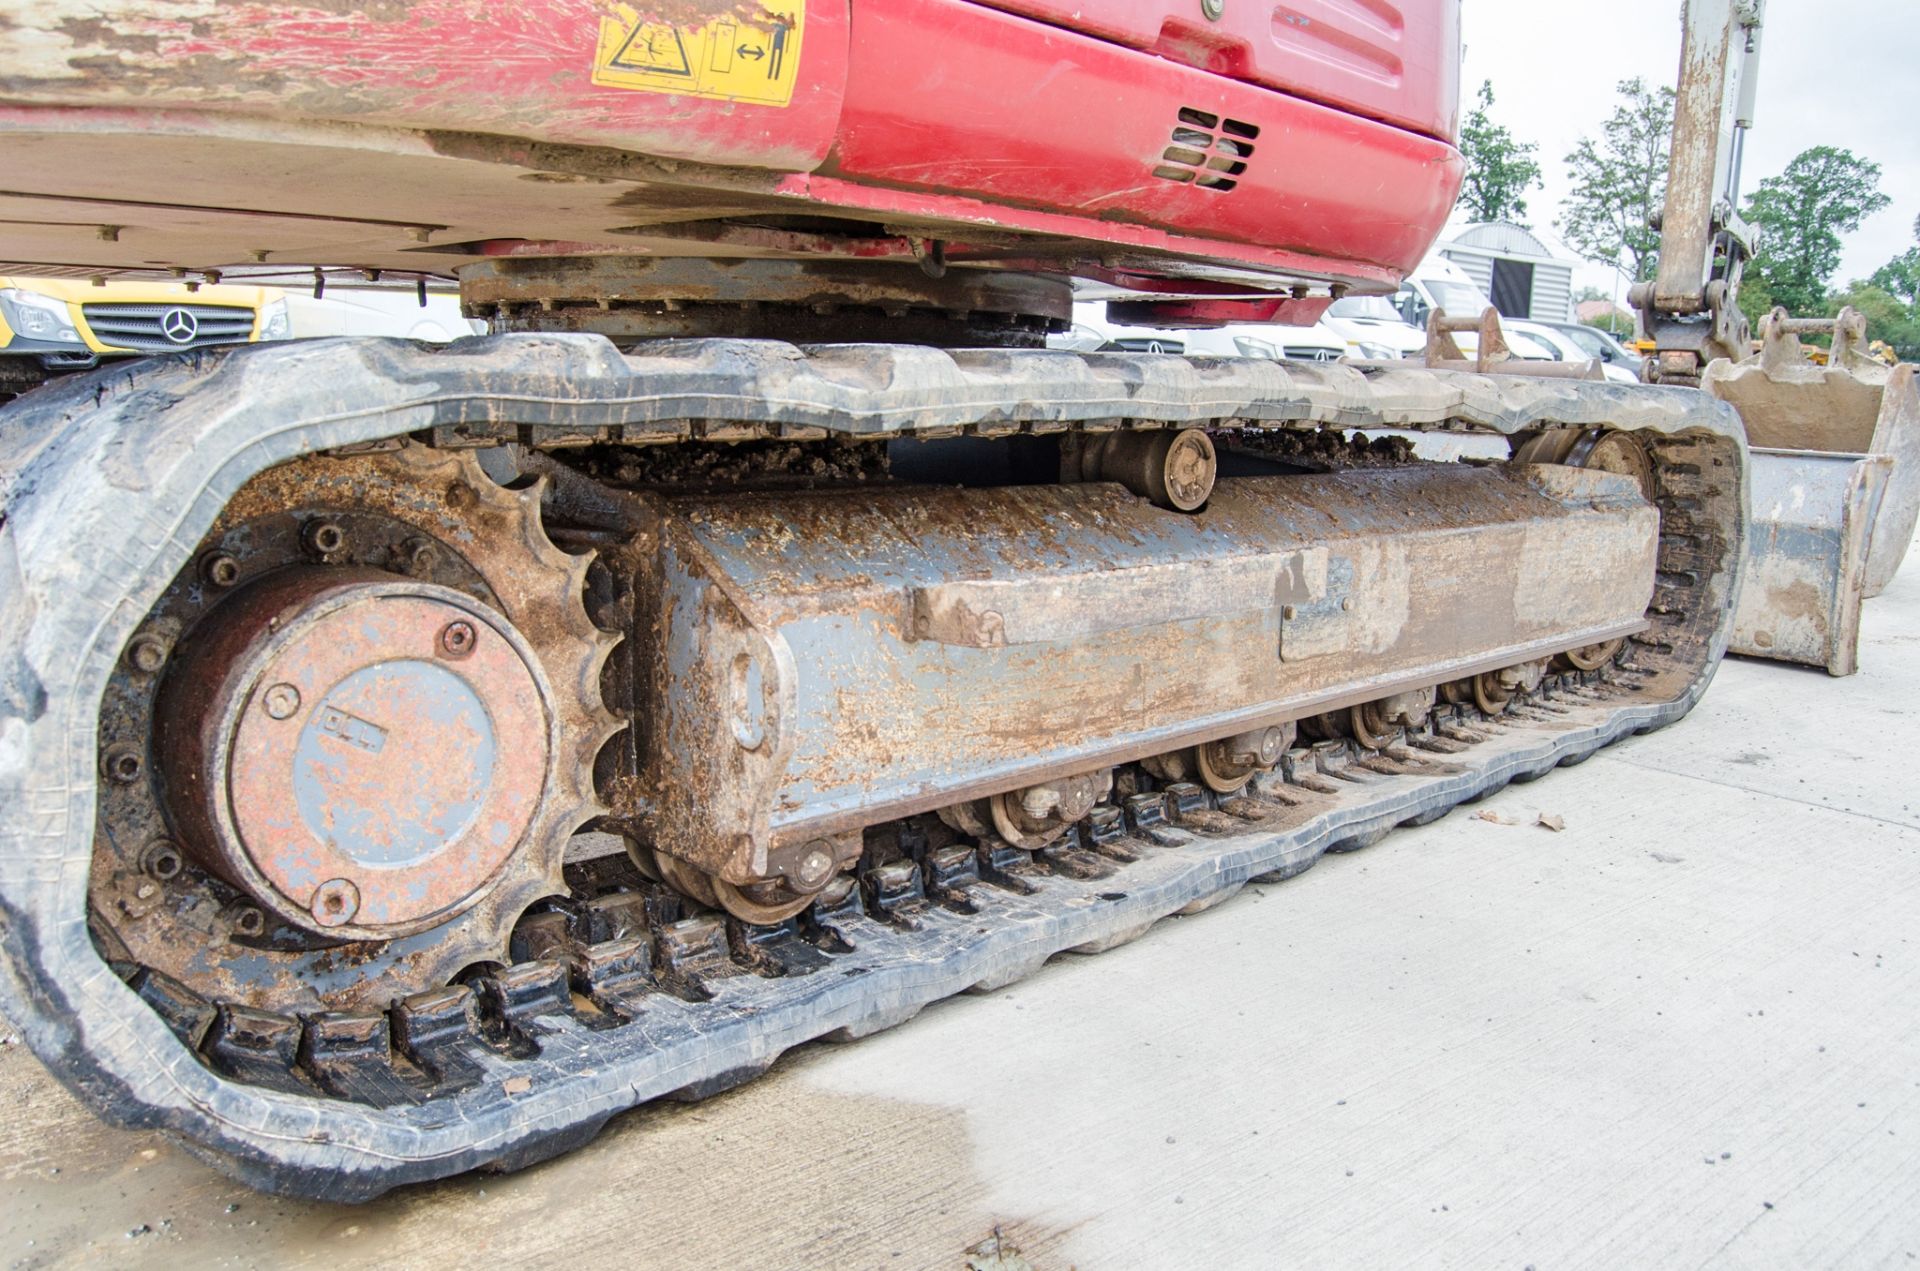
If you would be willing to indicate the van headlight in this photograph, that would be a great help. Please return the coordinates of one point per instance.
(1370, 352)
(1250, 347)
(274, 322)
(39, 317)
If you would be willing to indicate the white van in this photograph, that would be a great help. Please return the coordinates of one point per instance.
(1379, 327)
(1091, 332)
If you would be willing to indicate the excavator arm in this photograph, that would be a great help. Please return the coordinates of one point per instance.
(1836, 443)
(1690, 309)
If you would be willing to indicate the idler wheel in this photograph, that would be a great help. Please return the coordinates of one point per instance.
(1227, 765)
(762, 904)
(1494, 691)
(361, 754)
(1378, 724)
(1032, 818)
(1591, 657)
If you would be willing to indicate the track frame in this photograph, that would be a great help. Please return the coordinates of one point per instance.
(112, 478)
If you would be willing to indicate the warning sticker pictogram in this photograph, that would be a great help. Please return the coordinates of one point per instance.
(734, 58)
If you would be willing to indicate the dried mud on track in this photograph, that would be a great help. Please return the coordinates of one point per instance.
(1680, 1031)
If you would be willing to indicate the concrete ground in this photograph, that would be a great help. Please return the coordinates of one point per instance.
(1682, 1032)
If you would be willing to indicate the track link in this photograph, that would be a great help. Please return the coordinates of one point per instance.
(617, 994)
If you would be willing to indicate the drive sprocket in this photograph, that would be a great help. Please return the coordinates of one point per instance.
(349, 746)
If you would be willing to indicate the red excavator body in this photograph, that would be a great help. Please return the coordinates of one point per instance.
(1312, 141)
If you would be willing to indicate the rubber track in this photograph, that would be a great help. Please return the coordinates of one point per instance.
(111, 479)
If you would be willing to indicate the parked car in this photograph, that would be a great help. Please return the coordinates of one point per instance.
(1567, 349)
(1598, 343)
(1381, 327)
(1438, 284)
(70, 323)
(1374, 329)
(1092, 332)
(381, 311)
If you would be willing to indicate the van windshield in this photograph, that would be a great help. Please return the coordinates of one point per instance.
(1380, 307)
(1457, 298)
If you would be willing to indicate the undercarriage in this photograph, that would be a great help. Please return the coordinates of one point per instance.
(487, 740)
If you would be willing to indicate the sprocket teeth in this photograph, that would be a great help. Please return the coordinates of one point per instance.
(605, 726)
(544, 593)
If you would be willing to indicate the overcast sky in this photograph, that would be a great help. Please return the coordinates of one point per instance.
(1831, 73)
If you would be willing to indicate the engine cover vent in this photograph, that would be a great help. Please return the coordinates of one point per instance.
(1207, 151)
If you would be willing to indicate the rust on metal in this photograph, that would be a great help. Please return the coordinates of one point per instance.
(1850, 404)
(1012, 639)
(333, 764)
(394, 738)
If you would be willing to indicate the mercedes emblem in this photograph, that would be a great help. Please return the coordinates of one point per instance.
(179, 326)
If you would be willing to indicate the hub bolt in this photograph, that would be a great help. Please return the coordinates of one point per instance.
(335, 902)
(422, 557)
(248, 921)
(147, 653)
(323, 538)
(122, 764)
(281, 701)
(220, 569)
(161, 860)
(814, 868)
(457, 639)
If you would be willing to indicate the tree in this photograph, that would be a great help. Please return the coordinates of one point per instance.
(1900, 276)
(1888, 317)
(1499, 169)
(1798, 217)
(1620, 181)
(1891, 301)
(1755, 299)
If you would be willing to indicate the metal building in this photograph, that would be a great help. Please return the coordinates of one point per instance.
(1524, 278)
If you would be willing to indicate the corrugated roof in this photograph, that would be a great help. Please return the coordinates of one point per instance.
(1503, 238)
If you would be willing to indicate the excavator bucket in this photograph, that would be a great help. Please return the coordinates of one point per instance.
(1835, 486)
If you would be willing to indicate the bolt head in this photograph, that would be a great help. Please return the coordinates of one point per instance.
(122, 764)
(1213, 9)
(147, 653)
(457, 639)
(323, 539)
(220, 569)
(335, 902)
(161, 860)
(815, 867)
(420, 557)
(281, 701)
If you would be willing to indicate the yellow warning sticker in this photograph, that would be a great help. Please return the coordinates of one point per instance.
(731, 57)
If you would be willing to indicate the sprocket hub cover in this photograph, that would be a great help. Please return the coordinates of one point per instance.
(359, 753)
